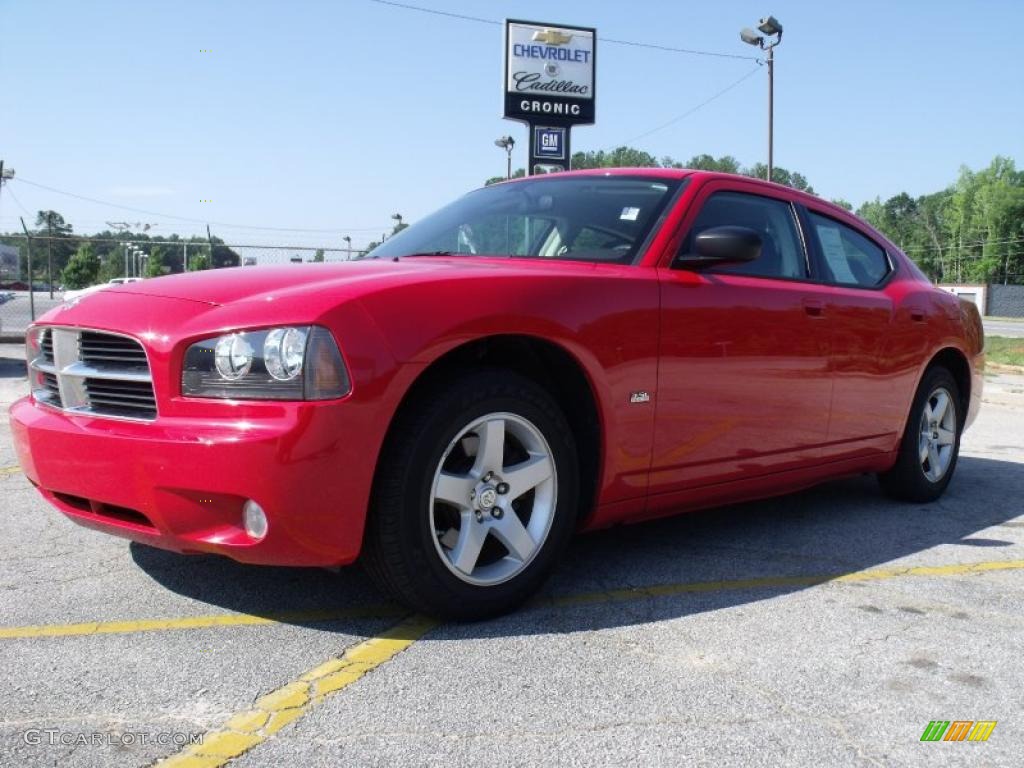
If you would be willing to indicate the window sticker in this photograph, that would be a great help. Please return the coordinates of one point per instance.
(832, 244)
(629, 214)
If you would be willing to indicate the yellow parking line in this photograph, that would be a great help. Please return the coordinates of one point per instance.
(10, 470)
(583, 598)
(380, 611)
(272, 712)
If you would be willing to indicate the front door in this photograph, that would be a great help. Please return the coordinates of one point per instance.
(744, 387)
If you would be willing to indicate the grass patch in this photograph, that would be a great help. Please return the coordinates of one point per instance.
(1004, 351)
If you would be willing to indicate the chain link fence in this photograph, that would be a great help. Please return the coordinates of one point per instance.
(59, 264)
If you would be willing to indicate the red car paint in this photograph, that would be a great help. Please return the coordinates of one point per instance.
(756, 386)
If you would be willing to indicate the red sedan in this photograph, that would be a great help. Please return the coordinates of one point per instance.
(556, 353)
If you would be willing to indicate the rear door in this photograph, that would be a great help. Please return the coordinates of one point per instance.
(743, 382)
(867, 364)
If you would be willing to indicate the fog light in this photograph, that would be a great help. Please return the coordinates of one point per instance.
(254, 519)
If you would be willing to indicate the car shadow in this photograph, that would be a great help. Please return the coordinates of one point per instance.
(808, 537)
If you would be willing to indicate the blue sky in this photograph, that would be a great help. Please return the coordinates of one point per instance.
(334, 115)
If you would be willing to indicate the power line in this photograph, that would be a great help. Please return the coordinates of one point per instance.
(337, 230)
(961, 246)
(693, 109)
(614, 41)
(14, 197)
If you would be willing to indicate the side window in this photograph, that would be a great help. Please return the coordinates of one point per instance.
(851, 258)
(782, 254)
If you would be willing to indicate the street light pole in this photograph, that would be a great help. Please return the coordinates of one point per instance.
(506, 143)
(771, 110)
(769, 27)
(348, 247)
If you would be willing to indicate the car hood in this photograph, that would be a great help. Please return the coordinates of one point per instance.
(347, 279)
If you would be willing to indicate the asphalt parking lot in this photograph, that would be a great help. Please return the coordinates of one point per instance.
(826, 628)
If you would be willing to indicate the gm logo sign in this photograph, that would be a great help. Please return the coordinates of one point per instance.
(549, 143)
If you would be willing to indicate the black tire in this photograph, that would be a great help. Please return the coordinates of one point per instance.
(400, 550)
(908, 480)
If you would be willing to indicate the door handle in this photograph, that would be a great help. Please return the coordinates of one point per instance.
(814, 308)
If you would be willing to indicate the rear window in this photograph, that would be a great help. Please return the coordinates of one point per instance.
(848, 257)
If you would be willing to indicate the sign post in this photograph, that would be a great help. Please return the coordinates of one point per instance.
(549, 85)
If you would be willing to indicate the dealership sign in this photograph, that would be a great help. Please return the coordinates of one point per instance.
(549, 73)
(549, 85)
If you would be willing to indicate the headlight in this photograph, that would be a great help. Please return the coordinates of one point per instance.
(297, 363)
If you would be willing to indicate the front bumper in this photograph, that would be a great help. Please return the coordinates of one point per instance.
(179, 483)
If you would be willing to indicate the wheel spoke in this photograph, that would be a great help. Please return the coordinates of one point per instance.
(490, 453)
(511, 532)
(922, 449)
(454, 489)
(527, 475)
(934, 465)
(941, 404)
(946, 436)
(471, 540)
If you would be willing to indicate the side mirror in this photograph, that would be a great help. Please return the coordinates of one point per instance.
(721, 245)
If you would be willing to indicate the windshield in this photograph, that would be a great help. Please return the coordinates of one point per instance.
(582, 218)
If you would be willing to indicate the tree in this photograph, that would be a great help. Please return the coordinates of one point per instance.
(844, 204)
(112, 266)
(780, 176)
(319, 255)
(55, 233)
(155, 263)
(620, 157)
(199, 262)
(82, 269)
(723, 164)
(517, 174)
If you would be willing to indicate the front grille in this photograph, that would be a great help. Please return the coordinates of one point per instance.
(46, 345)
(52, 388)
(94, 372)
(102, 349)
(121, 398)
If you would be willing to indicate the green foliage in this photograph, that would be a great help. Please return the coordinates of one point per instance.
(198, 262)
(112, 266)
(82, 269)
(155, 263)
(970, 232)
(319, 255)
(518, 173)
(630, 157)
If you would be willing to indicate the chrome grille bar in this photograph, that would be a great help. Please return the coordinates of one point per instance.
(95, 372)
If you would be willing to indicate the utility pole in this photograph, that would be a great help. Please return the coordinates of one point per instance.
(5, 175)
(31, 287)
(49, 250)
(348, 247)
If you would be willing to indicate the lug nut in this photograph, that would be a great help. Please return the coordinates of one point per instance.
(497, 512)
(488, 476)
(479, 515)
(502, 488)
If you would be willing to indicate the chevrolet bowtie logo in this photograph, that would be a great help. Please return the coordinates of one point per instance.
(551, 37)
